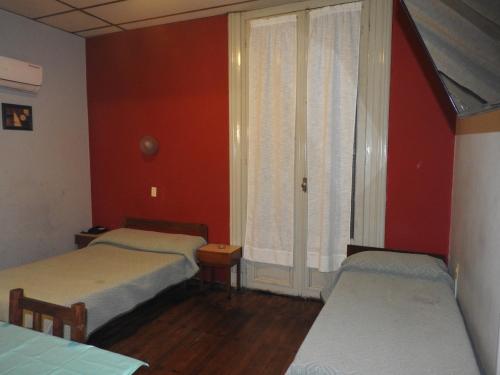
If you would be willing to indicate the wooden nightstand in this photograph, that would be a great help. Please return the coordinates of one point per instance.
(221, 256)
(83, 239)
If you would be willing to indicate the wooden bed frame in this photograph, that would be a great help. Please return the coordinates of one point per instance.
(76, 315)
(354, 249)
(168, 227)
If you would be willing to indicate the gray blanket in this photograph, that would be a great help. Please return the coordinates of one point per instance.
(379, 321)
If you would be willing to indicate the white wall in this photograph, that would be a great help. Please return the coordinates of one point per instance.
(44, 174)
(475, 239)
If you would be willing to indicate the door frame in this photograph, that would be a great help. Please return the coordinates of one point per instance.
(371, 143)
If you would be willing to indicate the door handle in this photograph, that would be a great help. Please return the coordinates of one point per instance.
(304, 184)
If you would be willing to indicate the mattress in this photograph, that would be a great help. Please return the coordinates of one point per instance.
(111, 276)
(383, 322)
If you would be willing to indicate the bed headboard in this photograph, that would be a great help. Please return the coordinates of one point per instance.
(168, 227)
(354, 249)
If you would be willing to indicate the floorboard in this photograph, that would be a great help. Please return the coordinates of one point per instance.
(188, 332)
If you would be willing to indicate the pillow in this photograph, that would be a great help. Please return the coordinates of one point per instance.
(150, 240)
(143, 240)
(404, 264)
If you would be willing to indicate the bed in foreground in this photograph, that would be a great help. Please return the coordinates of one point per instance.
(116, 272)
(388, 313)
(27, 352)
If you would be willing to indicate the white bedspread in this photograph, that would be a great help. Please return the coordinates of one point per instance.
(376, 323)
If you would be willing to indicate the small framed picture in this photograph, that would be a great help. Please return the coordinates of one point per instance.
(17, 117)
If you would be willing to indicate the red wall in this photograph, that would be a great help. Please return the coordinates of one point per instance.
(420, 150)
(170, 82)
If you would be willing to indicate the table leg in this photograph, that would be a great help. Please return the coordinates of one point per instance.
(238, 275)
(228, 280)
(201, 277)
(212, 276)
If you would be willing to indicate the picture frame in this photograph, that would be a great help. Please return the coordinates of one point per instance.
(17, 117)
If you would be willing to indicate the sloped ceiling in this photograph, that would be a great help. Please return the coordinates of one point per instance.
(463, 40)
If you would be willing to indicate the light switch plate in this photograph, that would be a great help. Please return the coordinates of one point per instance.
(154, 191)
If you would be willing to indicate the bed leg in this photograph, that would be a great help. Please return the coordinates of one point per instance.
(228, 281)
(15, 308)
(80, 322)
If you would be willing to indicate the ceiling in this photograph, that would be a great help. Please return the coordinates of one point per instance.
(88, 18)
(463, 41)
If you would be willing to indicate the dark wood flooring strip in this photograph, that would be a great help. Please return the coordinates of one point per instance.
(183, 331)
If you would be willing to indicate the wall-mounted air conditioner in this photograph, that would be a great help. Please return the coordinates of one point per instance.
(20, 75)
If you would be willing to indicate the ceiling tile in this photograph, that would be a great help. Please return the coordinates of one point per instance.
(134, 10)
(205, 13)
(101, 31)
(73, 21)
(33, 8)
(87, 3)
(171, 19)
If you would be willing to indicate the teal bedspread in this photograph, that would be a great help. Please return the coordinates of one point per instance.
(27, 352)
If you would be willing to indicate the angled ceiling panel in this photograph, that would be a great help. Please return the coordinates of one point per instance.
(463, 40)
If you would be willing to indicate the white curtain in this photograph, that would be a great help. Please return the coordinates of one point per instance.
(272, 52)
(332, 81)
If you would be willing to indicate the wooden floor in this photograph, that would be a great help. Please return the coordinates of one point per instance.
(205, 333)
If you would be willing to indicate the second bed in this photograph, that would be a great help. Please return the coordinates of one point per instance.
(116, 272)
(389, 314)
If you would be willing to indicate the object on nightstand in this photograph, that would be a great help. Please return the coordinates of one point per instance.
(84, 238)
(96, 230)
(221, 256)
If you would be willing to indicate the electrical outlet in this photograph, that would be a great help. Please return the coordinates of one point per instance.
(154, 191)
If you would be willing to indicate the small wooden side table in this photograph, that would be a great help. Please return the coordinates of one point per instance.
(221, 256)
(83, 239)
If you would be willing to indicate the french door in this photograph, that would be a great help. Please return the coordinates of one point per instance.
(290, 274)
